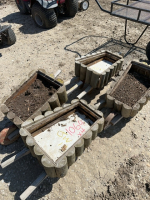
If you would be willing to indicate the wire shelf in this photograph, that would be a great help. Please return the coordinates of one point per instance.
(138, 11)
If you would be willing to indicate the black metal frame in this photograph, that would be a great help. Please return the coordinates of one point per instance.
(132, 7)
(127, 18)
(101, 7)
(125, 34)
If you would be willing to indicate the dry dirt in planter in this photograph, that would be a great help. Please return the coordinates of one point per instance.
(31, 100)
(131, 89)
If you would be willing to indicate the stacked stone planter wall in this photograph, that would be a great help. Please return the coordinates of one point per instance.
(94, 78)
(59, 167)
(56, 100)
(126, 110)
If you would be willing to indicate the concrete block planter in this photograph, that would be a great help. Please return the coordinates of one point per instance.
(56, 96)
(59, 137)
(97, 69)
(130, 91)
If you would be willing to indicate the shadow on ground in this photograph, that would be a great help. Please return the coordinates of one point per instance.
(23, 174)
(28, 25)
(111, 44)
(113, 130)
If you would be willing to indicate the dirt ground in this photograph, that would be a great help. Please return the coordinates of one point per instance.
(117, 164)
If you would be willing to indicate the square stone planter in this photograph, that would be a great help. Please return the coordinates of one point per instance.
(61, 136)
(54, 98)
(97, 69)
(141, 75)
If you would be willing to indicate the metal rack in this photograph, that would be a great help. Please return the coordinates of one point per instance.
(137, 11)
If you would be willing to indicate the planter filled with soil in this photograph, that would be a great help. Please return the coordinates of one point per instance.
(59, 138)
(97, 69)
(131, 91)
(40, 93)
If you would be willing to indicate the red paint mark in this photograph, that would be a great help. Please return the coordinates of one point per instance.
(79, 134)
(72, 130)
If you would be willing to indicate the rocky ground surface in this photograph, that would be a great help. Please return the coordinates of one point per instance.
(117, 164)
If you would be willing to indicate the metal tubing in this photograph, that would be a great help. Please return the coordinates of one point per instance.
(129, 6)
(101, 7)
(125, 34)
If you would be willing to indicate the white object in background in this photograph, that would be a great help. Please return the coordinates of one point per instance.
(101, 66)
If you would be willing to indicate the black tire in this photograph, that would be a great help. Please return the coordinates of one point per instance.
(22, 7)
(71, 7)
(148, 51)
(44, 18)
(11, 37)
(8, 37)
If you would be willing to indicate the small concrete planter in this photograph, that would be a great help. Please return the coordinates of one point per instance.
(58, 138)
(97, 69)
(125, 110)
(57, 99)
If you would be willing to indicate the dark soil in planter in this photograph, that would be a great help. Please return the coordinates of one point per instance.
(28, 102)
(131, 88)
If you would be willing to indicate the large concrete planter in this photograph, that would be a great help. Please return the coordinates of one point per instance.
(97, 69)
(57, 99)
(126, 110)
(62, 135)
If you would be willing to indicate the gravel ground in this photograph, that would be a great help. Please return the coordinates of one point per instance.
(106, 169)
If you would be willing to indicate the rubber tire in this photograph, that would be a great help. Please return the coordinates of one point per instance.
(48, 16)
(11, 37)
(148, 51)
(22, 7)
(71, 7)
(82, 6)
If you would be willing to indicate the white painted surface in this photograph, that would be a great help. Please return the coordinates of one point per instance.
(56, 140)
(101, 66)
